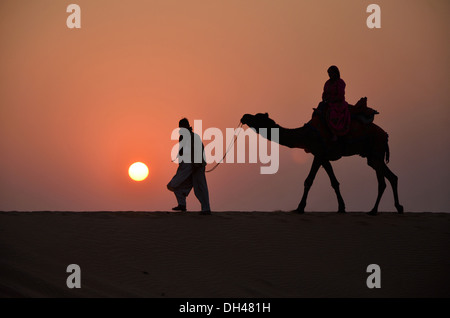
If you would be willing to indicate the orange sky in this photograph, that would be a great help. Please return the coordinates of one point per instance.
(79, 106)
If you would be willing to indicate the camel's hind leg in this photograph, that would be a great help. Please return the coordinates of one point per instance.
(382, 172)
(335, 184)
(381, 188)
(393, 180)
(308, 183)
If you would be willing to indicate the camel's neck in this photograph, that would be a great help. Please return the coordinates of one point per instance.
(292, 138)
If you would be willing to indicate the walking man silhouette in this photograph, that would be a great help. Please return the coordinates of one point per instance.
(191, 170)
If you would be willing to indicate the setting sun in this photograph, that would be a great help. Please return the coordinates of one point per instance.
(138, 171)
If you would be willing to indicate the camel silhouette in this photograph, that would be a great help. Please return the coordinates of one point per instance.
(364, 139)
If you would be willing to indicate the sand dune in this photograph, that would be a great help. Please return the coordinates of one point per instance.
(227, 254)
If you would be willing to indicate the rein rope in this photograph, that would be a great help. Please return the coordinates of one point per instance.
(228, 149)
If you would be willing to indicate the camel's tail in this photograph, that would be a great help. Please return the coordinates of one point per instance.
(381, 142)
(387, 154)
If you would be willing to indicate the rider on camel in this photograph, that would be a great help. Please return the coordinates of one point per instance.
(337, 113)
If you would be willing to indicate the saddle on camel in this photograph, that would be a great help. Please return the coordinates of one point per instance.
(333, 119)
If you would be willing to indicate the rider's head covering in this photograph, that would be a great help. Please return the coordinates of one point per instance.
(333, 72)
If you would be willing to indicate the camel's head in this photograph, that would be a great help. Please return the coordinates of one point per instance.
(258, 121)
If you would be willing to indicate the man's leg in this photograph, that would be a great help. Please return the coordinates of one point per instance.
(183, 172)
(181, 185)
(201, 188)
(182, 191)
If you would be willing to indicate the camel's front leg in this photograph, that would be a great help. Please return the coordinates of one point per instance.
(335, 184)
(308, 183)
